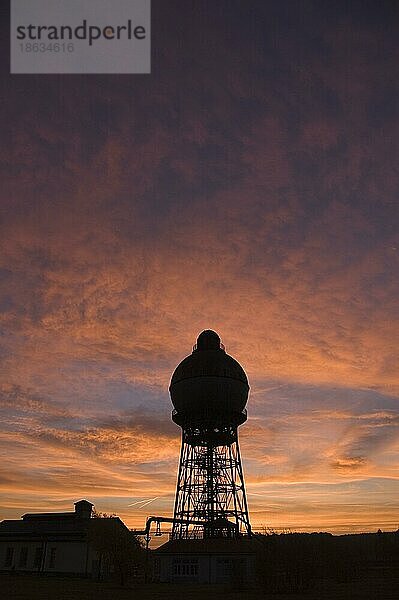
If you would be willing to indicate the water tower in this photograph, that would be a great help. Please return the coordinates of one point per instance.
(209, 391)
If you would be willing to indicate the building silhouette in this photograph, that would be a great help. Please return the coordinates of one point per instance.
(211, 533)
(58, 542)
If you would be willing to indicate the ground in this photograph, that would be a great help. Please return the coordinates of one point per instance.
(32, 587)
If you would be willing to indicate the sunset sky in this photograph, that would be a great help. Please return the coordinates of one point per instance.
(248, 185)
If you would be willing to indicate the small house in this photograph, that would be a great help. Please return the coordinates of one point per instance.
(217, 560)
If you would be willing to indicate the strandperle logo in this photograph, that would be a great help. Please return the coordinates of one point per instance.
(80, 36)
(90, 33)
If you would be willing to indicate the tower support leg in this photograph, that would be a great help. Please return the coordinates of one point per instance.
(210, 486)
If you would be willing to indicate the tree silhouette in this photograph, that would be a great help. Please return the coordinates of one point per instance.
(118, 548)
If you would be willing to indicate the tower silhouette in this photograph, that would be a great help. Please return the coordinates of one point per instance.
(209, 391)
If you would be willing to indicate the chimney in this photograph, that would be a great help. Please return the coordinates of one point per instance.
(83, 509)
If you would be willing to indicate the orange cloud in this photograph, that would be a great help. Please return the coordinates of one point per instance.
(261, 202)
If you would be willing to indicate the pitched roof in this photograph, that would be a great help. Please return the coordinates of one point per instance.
(56, 526)
(49, 516)
(209, 546)
(44, 527)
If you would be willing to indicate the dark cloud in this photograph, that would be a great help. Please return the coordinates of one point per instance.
(349, 463)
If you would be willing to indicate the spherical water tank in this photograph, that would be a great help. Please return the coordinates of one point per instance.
(209, 387)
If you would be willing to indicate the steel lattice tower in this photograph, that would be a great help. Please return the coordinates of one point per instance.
(209, 391)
